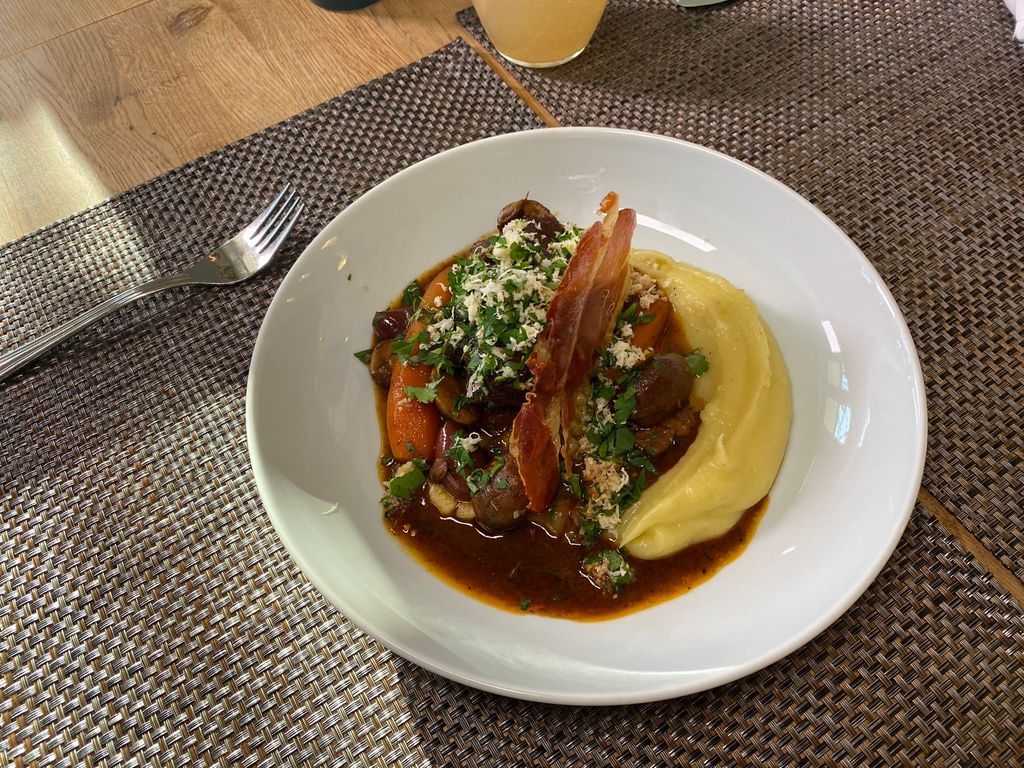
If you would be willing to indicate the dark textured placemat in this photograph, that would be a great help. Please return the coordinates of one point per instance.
(149, 614)
(903, 122)
(924, 670)
(147, 611)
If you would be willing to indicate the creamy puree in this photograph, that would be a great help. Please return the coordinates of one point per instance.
(744, 422)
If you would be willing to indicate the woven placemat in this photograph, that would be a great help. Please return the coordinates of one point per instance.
(148, 612)
(150, 616)
(903, 122)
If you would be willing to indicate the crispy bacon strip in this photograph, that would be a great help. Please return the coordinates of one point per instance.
(553, 353)
(604, 302)
(580, 320)
(532, 446)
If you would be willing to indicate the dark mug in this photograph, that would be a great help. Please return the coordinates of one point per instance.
(343, 5)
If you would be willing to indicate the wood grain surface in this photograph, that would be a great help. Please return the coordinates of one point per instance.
(99, 95)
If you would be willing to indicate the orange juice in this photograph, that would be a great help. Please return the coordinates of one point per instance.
(540, 33)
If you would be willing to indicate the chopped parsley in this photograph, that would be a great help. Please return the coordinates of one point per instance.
(624, 404)
(411, 295)
(498, 307)
(628, 314)
(524, 604)
(412, 351)
(423, 394)
(363, 356)
(614, 469)
(402, 485)
(590, 531)
(461, 452)
(609, 571)
(478, 479)
(697, 363)
(577, 487)
(622, 440)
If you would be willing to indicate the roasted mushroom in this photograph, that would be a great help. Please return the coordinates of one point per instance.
(662, 388)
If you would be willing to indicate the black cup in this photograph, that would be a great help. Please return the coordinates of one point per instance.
(343, 5)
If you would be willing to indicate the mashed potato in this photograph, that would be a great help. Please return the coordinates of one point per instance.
(744, 423)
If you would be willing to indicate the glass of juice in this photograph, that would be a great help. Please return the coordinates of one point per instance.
(540, 33)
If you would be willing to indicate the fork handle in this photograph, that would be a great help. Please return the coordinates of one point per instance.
(26, 353)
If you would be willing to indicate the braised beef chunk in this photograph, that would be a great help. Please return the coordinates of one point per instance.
(542, 222)
(662, 388)
(391, 323)
(381, 361)
(501, 504)
(683, 424)
(495, 427)
(654, 441)
(505, 396)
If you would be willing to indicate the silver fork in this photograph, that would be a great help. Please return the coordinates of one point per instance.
(238, 259)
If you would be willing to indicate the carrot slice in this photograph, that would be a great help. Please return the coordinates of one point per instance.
(412, 425)
(647, 335)
(438, 291)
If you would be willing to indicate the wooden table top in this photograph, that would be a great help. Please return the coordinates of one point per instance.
(99, 95)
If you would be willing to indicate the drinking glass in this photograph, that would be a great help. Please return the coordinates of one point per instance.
(540, 33)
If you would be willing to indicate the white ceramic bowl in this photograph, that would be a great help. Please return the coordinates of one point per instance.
(838, 508)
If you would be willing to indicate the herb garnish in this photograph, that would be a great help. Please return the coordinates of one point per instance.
(500, 296)
(609, 570)
(697, 363)
(478, 479)
(402, 486)
(459, 454)
(425, 394)
(411, 295)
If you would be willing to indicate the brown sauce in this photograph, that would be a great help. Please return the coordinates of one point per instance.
(527, 570)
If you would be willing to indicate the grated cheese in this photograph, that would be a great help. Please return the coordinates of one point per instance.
(501, 306)
(469, 442)
(645, 288)
(625, 355)
(603, 479)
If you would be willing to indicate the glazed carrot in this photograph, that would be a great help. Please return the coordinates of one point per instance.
(412, 425)
(438, 288)
(647, 335)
